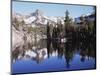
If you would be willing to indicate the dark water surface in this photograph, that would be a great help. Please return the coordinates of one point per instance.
(52, 55)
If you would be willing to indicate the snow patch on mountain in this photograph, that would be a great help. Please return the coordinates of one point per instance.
(38, 18)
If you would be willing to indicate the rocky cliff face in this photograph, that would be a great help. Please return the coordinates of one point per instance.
(20, 37)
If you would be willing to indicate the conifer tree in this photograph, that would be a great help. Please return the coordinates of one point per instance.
(67, 22)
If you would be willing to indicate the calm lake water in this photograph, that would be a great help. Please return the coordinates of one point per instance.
(52, 55)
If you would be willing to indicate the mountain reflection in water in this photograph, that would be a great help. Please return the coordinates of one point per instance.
(71, 55)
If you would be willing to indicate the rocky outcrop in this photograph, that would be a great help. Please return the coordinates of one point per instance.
(19, 38)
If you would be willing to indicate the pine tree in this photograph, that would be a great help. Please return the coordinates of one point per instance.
(48, 31)
(67, 19)
(67, 22)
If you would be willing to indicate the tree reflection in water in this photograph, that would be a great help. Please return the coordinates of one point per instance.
(46, 48)
(70, 48)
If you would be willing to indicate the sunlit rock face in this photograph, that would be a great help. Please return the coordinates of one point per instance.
(17, 38)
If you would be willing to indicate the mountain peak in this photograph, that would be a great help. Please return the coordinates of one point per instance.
(37, 12)
(38, 18)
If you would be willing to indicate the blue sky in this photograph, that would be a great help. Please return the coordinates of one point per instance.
(50, 9)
